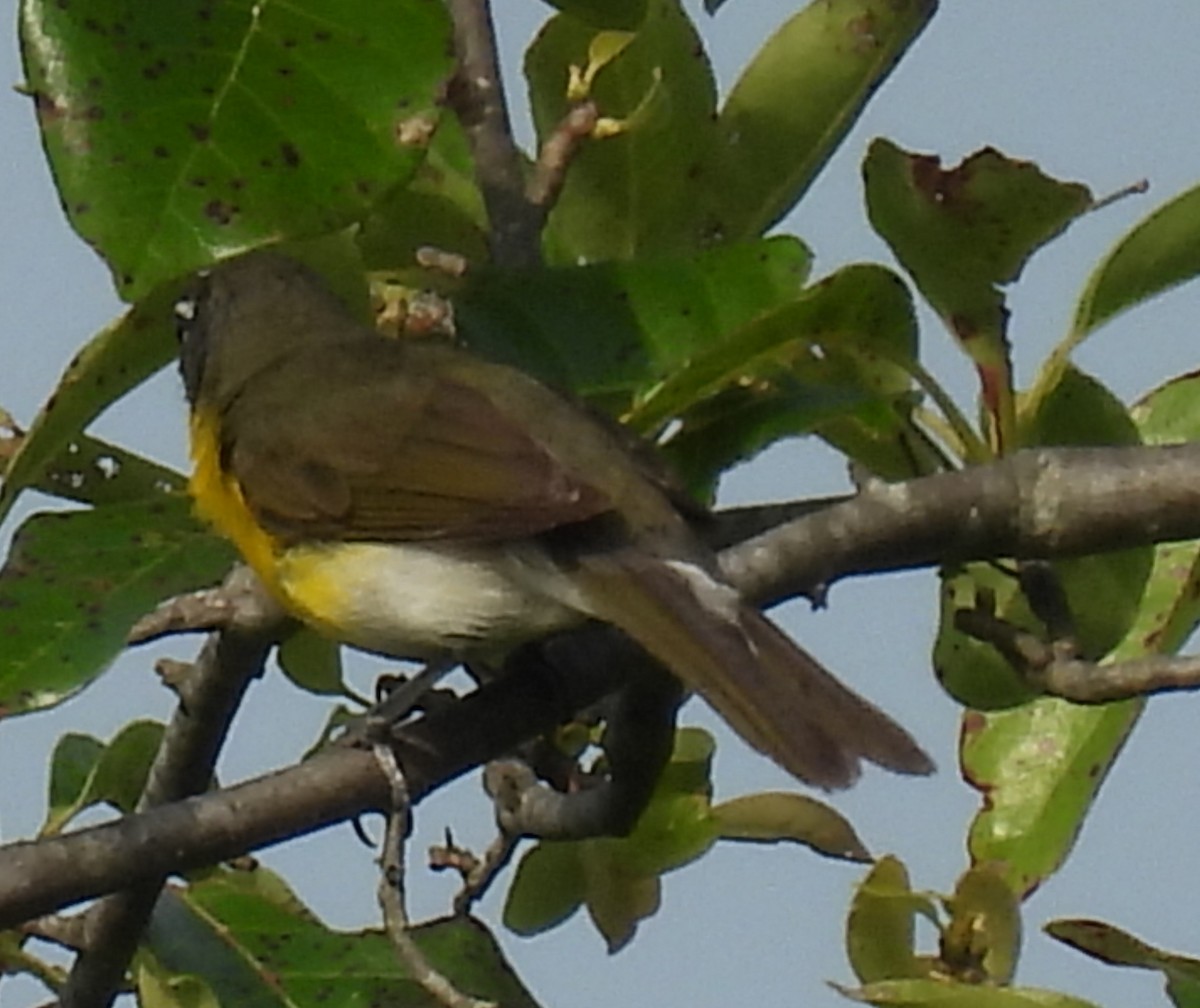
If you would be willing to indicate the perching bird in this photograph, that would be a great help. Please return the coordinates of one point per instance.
(414, 500)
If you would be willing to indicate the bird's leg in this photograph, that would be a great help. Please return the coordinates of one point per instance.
(379, 724)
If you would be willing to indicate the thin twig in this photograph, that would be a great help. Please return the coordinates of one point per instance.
(1053, 667)
(59, 929)
(1138, 188)
(477, 96)
(206, 609)
(556, 155)
(183, 766)
(477, 873)
(392, 898)
(240, 600)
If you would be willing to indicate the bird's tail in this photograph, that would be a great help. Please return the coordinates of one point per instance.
(770, 691)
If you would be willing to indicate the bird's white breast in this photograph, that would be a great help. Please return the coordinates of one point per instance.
(424, 600)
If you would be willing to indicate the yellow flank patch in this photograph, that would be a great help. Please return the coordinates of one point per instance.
(219, 501)
(313, 587)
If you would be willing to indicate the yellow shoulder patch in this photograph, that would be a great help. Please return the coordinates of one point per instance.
(220, 502)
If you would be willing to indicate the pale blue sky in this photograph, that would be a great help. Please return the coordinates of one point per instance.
(1101, 93)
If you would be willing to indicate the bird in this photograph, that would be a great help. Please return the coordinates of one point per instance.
(412, 499)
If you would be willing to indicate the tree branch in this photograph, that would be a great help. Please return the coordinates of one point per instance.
(477, 96)
(337, 784)
(1039, 503)
(209, 696)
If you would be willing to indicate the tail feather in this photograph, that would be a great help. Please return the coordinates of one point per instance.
(770, 691)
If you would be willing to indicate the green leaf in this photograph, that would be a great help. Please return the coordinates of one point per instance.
(86, 772)
(1160, 252)
(847, 330)
(617, 898)
(738, 422)
(257, 946)
(1040, 766)
(1104, 591)
(972, 671)
(1119, 948)
(983, 937)
(116, 360)
(441, 207)
(881, 925)
(609, 331)
(72, 766)
(637, 192)
(771, 144)
(176, 135)
(407, 220)
(313, 662)
(1079, 411)
(775, 816)
(1170, 610)
(676, 827)
(962, 234)
(75, 582)
(837, 359)
(1170, 414)
(547, 888)
(156, 988)
(618, 879)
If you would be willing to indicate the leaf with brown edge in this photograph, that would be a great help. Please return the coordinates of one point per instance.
(1110, 944)
(963, 233)
(1040, 766)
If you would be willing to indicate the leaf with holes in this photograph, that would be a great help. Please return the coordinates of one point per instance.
(119, 358)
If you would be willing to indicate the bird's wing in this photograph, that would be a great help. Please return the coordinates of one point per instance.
(349, 443)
